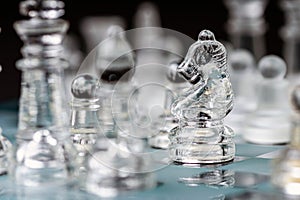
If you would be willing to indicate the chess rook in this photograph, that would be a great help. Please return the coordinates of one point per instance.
(201, 136)
(269, 123)
(43, 146)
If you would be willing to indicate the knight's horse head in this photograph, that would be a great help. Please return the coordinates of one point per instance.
(204, 51)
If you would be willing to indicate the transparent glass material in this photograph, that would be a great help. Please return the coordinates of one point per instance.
(43, 153)
(121, 167)
(176, 86)
(115, 64)
(85, 127)
(246, 25)
(201, 136)
(285, 168)
(290, 34)
(270, 123)
(5, 150)
(243, 75)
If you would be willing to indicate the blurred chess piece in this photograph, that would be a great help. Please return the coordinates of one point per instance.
(85, 127)
(115, 66)
(175, 87)
(123, 167)
(74, 56)
(201, 136)
(285, 168)
(270, 122)
(5, 148)
(243, 75)
(290, 34)
(43, 154)
(246, 25)
(94, 29)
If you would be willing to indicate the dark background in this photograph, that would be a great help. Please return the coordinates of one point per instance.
(183, 16)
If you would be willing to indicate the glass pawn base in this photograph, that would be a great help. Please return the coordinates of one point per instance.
(201, 145)
(160, 141)
(285, 172)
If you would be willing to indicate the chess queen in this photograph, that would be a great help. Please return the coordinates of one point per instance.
(201, 137)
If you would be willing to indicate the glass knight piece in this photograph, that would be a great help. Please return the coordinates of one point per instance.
(201, 136)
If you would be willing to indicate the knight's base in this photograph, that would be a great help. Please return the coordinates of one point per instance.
(201, 145)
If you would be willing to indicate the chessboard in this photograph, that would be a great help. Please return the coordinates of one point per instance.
(246, 177)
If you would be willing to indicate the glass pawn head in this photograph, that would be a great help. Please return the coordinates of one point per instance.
(115, 60)
(84, 86)
(241, 61)
(272, 67)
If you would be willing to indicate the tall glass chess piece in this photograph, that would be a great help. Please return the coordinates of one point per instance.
(246, 25)
(290, 34)
(43, 153)
(201, 136)
(285, 168)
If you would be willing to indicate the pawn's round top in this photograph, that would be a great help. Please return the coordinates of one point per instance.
(114, 30)
(84, 86)
(272, 67)
(206, 35)
(295, 98)
(241, 60)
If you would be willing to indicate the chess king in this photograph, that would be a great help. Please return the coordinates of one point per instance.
(201, 137)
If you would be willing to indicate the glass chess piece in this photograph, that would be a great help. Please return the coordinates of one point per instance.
(43, 154)
(243, 75)
(115, 65)
(176, 86)
(291, 38)
(94, 28)
(285, 168)
(85, 127)
(201, 136)
(269, 123)
(246, 25)
(122, 167)
(5, 148)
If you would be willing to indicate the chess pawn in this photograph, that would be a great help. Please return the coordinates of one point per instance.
(270, 122)
(175, 87)
(246, 25)
(291, 38)
(285, 168)
(115, 65)
(85, 127)
(201, 136)
(243, 77)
